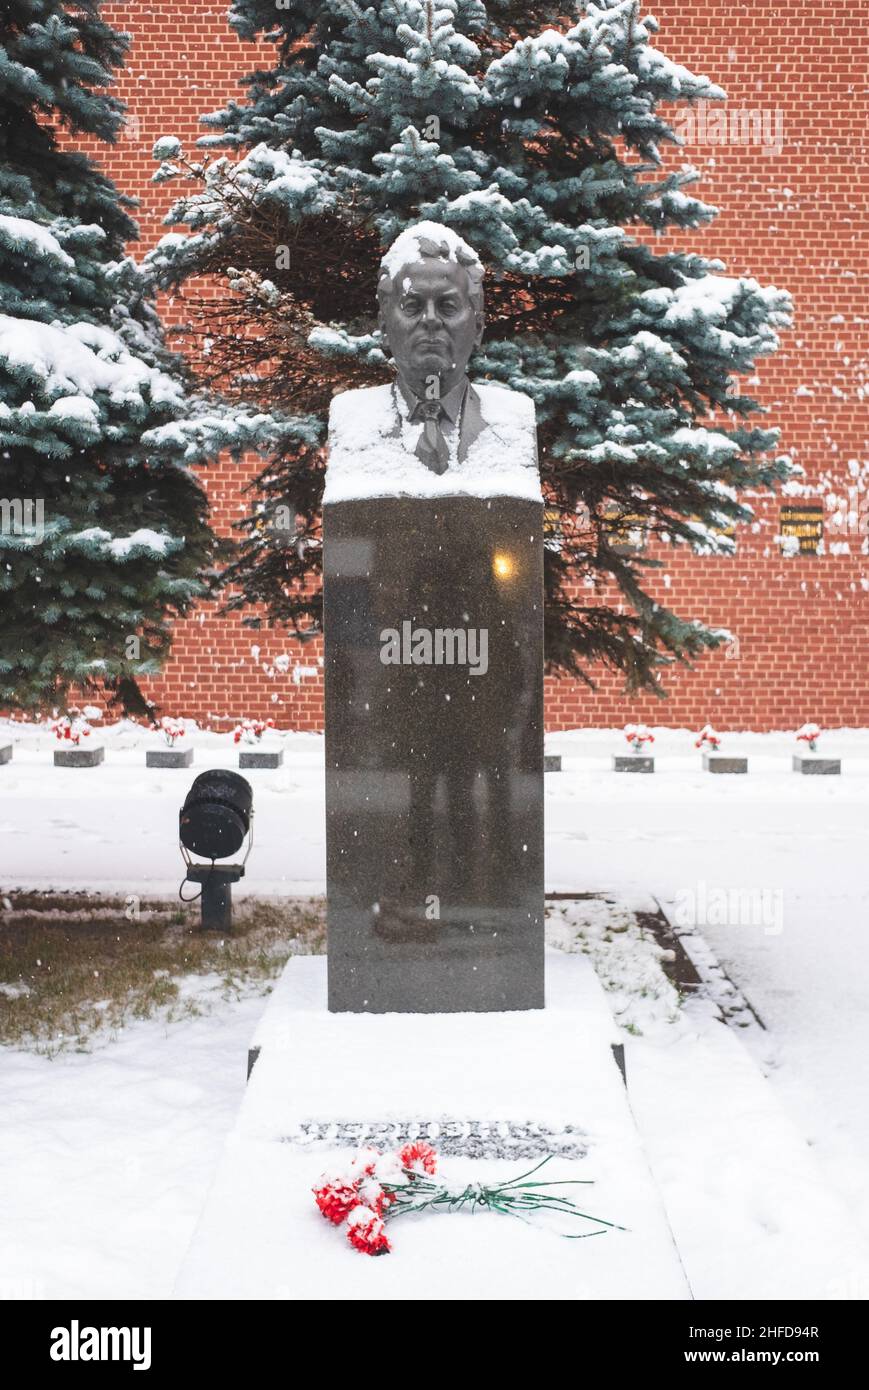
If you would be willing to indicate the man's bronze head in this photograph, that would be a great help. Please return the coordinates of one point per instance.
(431, 305)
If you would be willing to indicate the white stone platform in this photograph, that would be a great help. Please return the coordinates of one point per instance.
(260, 1235)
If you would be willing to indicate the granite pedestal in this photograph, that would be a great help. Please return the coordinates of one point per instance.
(5, 753)
(79, 757)
(433, 621)
(261, 758)
(817, 767)
(494, 1093)
(633, 762)
(169, 757)
(722, 762)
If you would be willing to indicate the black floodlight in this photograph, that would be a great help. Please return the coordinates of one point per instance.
(216, 816)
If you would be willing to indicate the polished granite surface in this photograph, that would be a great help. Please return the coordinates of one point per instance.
(433, 615)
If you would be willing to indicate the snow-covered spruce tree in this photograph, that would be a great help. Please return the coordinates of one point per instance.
(534, 131)
(103, 535)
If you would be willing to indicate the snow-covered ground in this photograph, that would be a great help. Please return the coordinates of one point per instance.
(782, 859)
(105, 1158)
(771, 866)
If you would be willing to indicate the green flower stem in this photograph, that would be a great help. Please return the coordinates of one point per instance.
(510, 1198)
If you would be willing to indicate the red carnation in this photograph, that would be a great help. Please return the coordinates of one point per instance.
(336, 1200)
(419, 1157)
(372, 1195)
(366, 1232)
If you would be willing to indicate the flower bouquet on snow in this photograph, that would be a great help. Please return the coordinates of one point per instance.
(638, 736)
(171, 729)
(375, 1187)
(251, 730)
(71, 728)
(809, 734)
(708, 740)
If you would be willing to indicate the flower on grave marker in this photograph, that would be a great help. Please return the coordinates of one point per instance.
(419, 1157)
(366, 1232)
(708, 739)
(171, 729)
(376, 1187)
(251, 730)
(637, 735)
(809, 733)
(371, 1194)
(71, 727)
(336, 1199)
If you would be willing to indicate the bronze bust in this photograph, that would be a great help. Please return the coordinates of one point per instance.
(431, 433)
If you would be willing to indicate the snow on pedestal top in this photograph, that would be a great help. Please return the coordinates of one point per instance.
(372, 443)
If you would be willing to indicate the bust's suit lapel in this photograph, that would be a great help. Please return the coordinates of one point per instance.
(473, 423)
(474, 414)
(392, 430)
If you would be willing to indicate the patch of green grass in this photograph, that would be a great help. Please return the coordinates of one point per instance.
(74, 966)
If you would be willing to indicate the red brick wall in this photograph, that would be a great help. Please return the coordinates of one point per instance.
(790, 218)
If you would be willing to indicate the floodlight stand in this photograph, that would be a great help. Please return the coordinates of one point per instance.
(216, 898)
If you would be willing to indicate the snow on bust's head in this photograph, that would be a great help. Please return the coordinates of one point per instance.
(430, 239)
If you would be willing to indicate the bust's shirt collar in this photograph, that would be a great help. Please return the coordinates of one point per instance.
(451, 402)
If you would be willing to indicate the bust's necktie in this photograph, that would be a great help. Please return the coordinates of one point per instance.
(432, 448)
